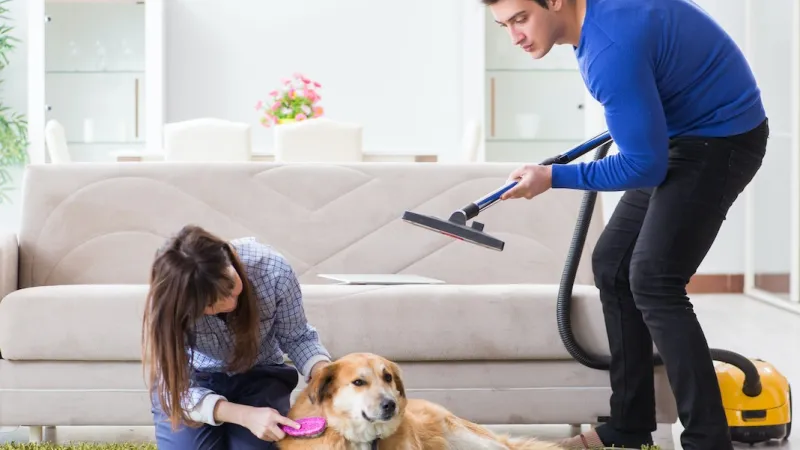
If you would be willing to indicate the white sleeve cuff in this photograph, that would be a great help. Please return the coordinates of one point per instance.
(306, 370)
(203, 412)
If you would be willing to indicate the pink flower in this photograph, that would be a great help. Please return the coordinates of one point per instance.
(273, 93)
(276, 106)
(317, 85)
(259, 105)
(300, 116)
(286, 81)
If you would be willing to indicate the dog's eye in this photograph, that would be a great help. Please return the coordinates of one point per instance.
(359, 382)
(387, 377)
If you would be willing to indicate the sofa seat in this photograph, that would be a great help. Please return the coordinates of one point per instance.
(401, 322)
(501, 392)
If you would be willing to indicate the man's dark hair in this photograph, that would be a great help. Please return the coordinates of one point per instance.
(542, 3)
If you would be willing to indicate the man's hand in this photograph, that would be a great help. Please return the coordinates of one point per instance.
(264, 424)
(533, 179)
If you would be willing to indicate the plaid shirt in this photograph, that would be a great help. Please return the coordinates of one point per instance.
(283, 325)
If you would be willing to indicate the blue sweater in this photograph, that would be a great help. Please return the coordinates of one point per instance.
(660, 68)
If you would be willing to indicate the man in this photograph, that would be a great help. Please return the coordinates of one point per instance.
(685, 112)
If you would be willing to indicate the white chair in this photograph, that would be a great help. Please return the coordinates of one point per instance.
(55, 138)
(207, 139)
(318, 140)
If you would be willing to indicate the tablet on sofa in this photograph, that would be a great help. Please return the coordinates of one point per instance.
(378, 278)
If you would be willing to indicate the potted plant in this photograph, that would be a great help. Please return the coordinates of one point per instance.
(13, 126)
(297, 99)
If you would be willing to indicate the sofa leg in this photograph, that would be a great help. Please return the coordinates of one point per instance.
(49, 434)
(35, 434)
(575, 429)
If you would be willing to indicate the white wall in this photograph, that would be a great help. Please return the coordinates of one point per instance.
(219, 63)
(367, 55)
(771, 224)
(772, 68)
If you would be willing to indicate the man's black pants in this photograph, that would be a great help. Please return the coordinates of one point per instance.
(650, 248)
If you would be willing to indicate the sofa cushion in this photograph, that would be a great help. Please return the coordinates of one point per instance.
(403, 323)
(324, 218)
(73, 322)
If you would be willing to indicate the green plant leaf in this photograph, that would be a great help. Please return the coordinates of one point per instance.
(13, 126)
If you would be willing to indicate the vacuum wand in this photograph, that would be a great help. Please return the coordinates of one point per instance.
(456, 225)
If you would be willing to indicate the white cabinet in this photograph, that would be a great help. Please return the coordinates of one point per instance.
(530, 109)
(96, 66)
(536, 105)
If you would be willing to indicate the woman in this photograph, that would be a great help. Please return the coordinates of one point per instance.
(218, 319)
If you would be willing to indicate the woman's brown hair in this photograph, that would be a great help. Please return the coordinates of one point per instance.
(191, 272)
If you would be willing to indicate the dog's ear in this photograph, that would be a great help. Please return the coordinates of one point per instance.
(320, 385)
(397, 375)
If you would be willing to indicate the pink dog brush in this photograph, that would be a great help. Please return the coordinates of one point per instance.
(309, 427)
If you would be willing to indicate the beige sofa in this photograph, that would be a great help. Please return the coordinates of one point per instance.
(485, 343)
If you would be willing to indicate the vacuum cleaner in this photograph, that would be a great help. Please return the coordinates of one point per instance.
(756, 397)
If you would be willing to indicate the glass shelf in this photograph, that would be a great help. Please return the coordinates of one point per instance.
(93, 72)
(138, 143)
(523, 140)
(531, 70)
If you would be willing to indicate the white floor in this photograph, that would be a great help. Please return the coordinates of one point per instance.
(732, 322)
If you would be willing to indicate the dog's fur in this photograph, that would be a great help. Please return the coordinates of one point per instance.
(362, 397)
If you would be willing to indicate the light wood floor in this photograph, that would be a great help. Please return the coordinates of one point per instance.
(732, 322)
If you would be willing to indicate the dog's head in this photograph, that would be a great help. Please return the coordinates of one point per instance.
(362, 396)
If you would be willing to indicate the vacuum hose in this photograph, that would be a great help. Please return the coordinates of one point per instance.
(752, 380)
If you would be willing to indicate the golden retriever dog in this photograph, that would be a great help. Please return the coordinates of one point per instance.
(363, 399)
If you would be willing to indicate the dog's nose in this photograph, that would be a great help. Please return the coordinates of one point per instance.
(388, 405)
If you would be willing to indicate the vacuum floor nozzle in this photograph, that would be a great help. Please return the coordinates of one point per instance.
(456, 227)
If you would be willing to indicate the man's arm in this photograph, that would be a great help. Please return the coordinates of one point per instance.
(296, 336)
(625, 84)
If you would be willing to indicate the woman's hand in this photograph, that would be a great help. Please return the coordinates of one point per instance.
(317, 367)
(533, 179)
(264, 424)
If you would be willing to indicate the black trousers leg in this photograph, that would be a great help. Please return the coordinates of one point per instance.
(642, 273)
(631, 374)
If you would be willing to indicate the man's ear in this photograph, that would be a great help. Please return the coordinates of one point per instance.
(322, 383)
(397, 376)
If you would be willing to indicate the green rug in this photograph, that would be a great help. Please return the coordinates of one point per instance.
(78, 446)
(87, 446)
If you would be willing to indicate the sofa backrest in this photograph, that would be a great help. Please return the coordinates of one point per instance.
(100, 223)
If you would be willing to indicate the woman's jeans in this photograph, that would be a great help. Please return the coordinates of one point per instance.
(645, 257)
(269, 386)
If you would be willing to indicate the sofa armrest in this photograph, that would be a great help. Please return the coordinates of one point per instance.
(9, 263)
